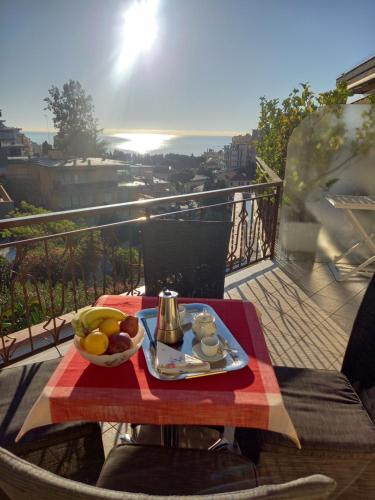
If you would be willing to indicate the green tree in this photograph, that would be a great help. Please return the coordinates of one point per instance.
(310, 133)
(321, 148)
(74, 118)
(33, 256)
(278, 120)
(35, 230)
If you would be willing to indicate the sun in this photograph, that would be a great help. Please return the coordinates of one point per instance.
(139, 31)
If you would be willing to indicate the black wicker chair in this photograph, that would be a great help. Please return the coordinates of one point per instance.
(334, 415)
(127, 470)
(73, 450)
(186, 256)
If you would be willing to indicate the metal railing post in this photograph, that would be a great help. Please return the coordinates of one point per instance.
(275, 220)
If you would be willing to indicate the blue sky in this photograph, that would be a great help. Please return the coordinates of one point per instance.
(210, 62)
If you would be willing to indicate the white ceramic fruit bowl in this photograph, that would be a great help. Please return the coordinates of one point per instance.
(111, 360)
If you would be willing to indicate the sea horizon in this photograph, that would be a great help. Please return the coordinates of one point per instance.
(151, 143)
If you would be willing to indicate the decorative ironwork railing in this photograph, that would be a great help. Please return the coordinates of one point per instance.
(45, 278)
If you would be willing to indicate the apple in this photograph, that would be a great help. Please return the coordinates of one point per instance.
(130, 325)
(119, 342)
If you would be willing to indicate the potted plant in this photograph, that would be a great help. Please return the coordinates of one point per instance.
(308, 142)
(319, 150)
(315, 147)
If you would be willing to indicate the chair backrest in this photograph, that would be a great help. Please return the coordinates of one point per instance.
(359, 359)
(186, 256)
(21, 480)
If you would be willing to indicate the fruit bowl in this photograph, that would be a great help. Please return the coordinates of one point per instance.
(110, 360)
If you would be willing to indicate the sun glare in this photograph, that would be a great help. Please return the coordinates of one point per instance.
(139, 32)
(142, 143)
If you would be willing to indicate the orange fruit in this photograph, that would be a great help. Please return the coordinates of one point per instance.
(96, 343)
(109, 326)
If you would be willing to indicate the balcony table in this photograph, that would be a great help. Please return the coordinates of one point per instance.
(350, 203)
(249, 397)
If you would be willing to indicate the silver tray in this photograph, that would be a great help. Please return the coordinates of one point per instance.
(235, 359)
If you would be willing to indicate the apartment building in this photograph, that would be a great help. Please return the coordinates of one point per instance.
(14, 142)
(240, 154)
(63, 185)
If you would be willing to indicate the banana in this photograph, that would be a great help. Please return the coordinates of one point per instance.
(77, 322)
(92, 318)
(94, 324)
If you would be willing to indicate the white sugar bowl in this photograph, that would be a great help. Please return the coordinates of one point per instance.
(204, 325)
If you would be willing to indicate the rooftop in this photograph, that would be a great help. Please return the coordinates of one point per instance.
(199, 178)
(361, 78)
(18, 159)
(78, 162)
(235, 175)
(139, 165)
(131, 184)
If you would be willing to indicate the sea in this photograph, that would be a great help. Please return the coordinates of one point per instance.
(143, 143)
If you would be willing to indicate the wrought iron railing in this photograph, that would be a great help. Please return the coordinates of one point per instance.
(45, 278)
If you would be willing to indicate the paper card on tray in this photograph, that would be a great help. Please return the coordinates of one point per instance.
(169, 360)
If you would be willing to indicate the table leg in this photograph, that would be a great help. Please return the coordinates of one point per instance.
(367, 239)
(359, 269)
(361, 230)
(169, 435)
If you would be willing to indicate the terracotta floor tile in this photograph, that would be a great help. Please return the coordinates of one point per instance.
(51, 353)
(327, 304)
(282, 334)
(308, 313)
(336, 365)
(305, 355)
(345, 323)
(349, 310)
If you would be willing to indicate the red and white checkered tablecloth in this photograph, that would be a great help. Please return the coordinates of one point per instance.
(249, 397)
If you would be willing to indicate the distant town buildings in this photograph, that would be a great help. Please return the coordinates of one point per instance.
(13, 142)
(240, 154)
(60, 184)
(196, 184)
(234, 178)
(146, 188)
(214, 160)
(43, 177)
(139, 170)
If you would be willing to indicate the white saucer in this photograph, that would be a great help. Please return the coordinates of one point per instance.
(197, 351)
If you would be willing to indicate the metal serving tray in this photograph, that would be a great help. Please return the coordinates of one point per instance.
(235, 359)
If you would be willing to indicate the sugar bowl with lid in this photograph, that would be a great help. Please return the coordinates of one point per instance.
(204, 325)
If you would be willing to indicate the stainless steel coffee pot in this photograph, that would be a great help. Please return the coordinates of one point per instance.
(168, 328)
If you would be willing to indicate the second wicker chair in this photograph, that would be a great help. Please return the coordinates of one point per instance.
(186, 256)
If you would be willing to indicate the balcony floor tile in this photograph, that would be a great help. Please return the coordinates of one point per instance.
(50, 353)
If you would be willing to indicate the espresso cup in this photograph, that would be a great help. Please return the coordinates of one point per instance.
(210, 345)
